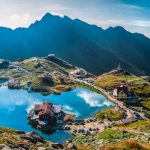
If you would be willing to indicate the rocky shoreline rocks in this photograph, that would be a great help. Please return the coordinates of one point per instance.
(13, 140)
(19, 140)
(44, 75)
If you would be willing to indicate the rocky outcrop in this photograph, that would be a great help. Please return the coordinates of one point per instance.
(45, 75)
(14, 84)
(53, 58)
(32, 137)
(57, 146)
(19, 140)
(71, 146)
(4, 64)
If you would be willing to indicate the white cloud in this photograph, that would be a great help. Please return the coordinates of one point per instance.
(68, 109)
(21, 20)
(94, 99)
(13, 100)
(140, 23)
(102, 13)
(17, 20)
(32, 103)
(129, 6)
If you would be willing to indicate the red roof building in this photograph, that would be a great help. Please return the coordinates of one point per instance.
(46, 110)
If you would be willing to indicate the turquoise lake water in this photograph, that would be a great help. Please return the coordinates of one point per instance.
(3, 80)
(15, 105)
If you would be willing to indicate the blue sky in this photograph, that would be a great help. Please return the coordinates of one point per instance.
(134, 15)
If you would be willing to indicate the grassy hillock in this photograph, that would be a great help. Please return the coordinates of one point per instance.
(111, 113)
(112, 80)
(11, 139)
(42, 75)
(111, 135)
(113, 139)
(146, 104)
(141, 126)
(7, 130)
(94, 141)
(127, 145)
(140, 86)
(81, 84)
(40, 65)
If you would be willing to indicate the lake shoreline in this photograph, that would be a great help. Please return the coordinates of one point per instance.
(64, 99)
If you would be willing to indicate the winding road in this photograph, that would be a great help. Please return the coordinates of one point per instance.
(131, 117)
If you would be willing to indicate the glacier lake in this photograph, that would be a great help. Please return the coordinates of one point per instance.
(15, 105)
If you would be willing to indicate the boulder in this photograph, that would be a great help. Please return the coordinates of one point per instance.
(11, 145)
(57, 146)
(71, 146)
(36, 136)
(32, 137)
(14, 84)
(4, 64)
(27, 137)
(41, 148)
(23, 146)
(2, 146)
(7, 148)
(124, 131)
(20, 132)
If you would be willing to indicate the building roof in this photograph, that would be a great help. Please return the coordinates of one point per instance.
(120, 89)
(46, 108)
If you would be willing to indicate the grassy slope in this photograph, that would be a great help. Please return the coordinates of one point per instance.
(41, 76)
(138, 85)
(8, 135)
(127, 145)
(107, 136)
(111, 113)
(118, 138)
(112, 80)
(81, 84)
(140, 126)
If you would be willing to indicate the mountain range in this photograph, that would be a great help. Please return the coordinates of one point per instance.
(84, 45)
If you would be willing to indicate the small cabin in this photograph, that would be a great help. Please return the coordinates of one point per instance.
(122, 93)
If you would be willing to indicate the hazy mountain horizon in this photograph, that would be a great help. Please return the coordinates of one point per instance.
(73, 40)
(50, 14)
